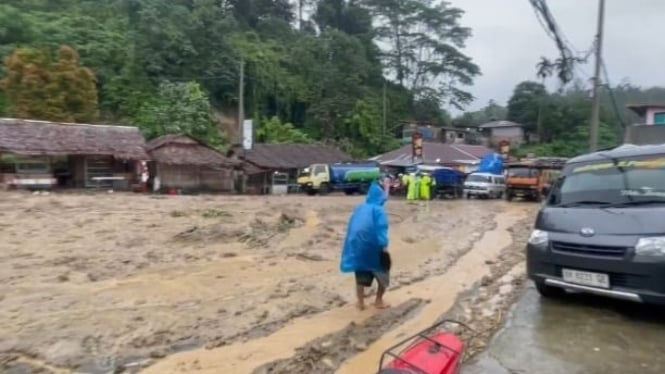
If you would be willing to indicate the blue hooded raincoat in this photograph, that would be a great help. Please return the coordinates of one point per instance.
(367, 234)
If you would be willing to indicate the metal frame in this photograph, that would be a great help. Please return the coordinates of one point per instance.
(622, 295)
(424, 335)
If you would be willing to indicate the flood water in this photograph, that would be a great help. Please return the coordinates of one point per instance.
(577, 334)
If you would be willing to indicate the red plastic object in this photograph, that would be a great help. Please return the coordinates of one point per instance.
(430, 352)
(441, 355)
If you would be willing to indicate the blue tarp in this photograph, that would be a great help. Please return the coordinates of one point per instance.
(366, 235)
(492, 163)
(448, 177)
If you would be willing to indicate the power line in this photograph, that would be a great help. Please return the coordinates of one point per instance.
(615, 106)
(570, 56)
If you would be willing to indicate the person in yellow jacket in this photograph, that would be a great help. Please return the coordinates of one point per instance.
(426, 187)
(404, 178)
(412, 187)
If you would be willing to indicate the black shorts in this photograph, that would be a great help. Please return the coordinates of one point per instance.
(365, 278)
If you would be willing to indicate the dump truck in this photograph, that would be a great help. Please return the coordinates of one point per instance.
(531, 179)
(348, 178)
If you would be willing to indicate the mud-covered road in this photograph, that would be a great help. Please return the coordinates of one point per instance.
(216, 284)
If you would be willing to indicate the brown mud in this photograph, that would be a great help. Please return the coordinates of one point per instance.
(483, 308)
(99, 282)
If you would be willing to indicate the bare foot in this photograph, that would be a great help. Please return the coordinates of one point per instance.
(381, 305)
(360, 306)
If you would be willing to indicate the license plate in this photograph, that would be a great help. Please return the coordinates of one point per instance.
(586, 278)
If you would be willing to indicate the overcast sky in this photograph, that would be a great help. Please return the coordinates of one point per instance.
(508, 41)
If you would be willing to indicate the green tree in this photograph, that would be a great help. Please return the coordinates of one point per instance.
(525, 105)
(36, 86)
(368, 138)
(180, 108)
(425, 39)
(274, 131)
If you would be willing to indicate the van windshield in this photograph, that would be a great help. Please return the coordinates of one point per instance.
(478, 178)
(621, 181)
(522, 173)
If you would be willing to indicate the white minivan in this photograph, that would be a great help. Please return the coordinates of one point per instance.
(485, 185)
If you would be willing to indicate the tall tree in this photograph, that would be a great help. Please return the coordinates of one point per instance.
(425, 39)
(36, 86)
(180, 108)
(524, 104)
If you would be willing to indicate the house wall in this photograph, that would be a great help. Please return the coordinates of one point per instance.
(454, 137)
(650, 116)
(195, 178)
(261, 183)
(515, 135)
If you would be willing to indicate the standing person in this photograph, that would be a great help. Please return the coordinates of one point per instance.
(365, 251)
(412, 187)
(404, 179)
(425, 187)
(417, 181)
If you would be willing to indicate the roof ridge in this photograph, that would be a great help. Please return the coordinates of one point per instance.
(21, 121)
(463, 151)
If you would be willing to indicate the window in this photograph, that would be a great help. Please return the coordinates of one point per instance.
(522, 173)
(478, 178)
(659, 118)
(633, 179)
(319, 169)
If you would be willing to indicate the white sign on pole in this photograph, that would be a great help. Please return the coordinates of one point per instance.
(247, 134)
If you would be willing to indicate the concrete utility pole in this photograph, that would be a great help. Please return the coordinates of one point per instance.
(241, 100)
(595, 112)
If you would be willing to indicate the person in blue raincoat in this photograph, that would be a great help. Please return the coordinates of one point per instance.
(365, 251)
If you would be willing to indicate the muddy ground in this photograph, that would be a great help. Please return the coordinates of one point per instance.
(113, 282)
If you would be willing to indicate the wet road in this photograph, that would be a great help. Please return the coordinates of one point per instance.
(579, 334)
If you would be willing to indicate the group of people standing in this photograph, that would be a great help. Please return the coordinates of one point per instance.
(418, 186)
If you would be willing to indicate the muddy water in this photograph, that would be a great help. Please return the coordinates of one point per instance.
(92, 283)
(441, 291)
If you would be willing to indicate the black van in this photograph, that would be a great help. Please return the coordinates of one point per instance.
(602, 228)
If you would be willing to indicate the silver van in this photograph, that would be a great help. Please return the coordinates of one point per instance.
(485, 185)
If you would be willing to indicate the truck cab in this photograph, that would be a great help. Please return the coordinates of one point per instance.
(532, 179)
(348, 177)
(523, 180)
(315, 178)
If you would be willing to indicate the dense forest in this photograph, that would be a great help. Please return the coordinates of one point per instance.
(314, 70)
(558, 121)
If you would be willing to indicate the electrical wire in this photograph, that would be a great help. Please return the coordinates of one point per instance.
(569, 60)
(615, 107)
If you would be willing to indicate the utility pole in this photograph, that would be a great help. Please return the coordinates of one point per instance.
(241, 100)
(595, 112)
(384, 119)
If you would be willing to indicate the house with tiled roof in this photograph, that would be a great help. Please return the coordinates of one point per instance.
(503, 132)
(461, 156)
(263, 161)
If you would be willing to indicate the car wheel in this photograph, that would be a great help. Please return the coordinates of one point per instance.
(500, 196)
(549, 291)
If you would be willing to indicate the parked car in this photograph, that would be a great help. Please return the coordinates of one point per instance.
(601, 228)
(484, 185)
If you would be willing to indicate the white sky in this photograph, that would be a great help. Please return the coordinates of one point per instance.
(508, 41)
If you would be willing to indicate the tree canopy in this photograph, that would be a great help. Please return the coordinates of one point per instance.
(314, 64)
